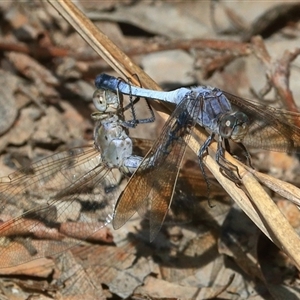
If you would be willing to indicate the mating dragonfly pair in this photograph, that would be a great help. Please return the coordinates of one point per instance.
(63, 197)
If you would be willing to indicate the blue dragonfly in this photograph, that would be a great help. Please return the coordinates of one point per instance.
(225, 116)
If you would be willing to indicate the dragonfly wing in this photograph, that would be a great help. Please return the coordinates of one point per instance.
(130, 199)
(270, 128)
(163, 185)
(61, 197)
(152, 185)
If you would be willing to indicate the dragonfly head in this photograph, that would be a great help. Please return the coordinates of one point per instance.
(106, 101)
(234, 126)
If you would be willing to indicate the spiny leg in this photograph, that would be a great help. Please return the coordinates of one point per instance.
(201, 153)
(132, 101)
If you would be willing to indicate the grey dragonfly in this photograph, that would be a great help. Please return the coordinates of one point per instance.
(47, 207)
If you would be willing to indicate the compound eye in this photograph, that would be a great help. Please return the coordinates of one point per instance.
(226, 126)
(99, 100)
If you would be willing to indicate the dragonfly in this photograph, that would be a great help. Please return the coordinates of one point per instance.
(225, 117)
(69, 195)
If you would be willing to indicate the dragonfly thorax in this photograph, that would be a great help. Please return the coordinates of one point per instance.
(110, 136)
(112, 141)
(111, 133)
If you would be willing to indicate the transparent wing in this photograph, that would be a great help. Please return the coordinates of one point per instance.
(60, 198)
(270, 128)
(152, 185)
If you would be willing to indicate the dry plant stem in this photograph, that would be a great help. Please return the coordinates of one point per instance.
(122, 64)
(232, 47)
(275, 15)
(37, 52)
(278, 71)
(286, 190)
(279, 228)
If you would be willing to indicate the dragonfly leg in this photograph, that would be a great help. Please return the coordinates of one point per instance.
(226, 166)
(246, 154)
(201, 153)
(147, 120)
(132, 101)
